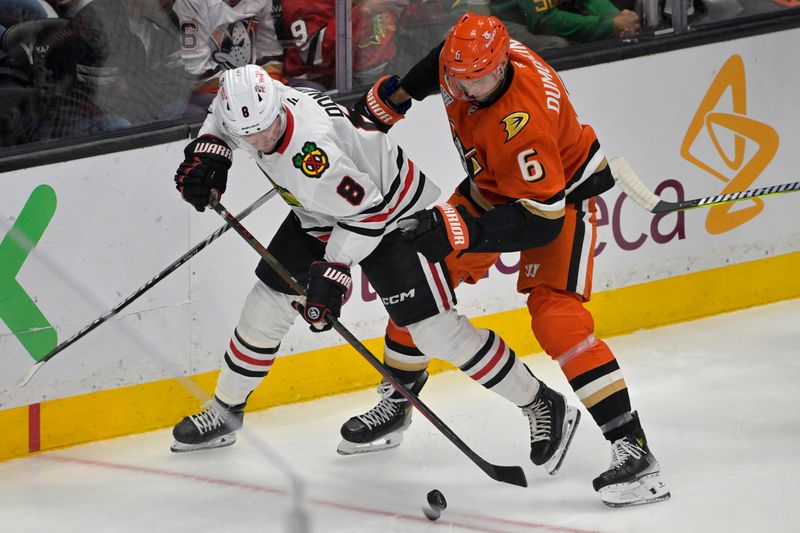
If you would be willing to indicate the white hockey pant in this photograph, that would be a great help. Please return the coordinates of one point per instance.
(265, 318)
(479, 353)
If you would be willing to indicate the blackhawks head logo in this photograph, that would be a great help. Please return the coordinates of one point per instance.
(312, 161)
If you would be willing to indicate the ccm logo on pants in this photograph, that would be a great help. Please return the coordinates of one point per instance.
(397, 298)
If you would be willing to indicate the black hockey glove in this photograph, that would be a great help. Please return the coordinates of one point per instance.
(378, 108)
(327, 284)
(206, 166)
(437, 232)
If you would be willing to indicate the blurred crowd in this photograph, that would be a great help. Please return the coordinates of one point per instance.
(72, 68)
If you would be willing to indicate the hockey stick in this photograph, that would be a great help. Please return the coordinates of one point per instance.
(507, 474)
(140, 291)
(630, 183)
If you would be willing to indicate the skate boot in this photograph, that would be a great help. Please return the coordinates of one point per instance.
(552, 423)
(634, 475)
(381, 427)
(213, 427)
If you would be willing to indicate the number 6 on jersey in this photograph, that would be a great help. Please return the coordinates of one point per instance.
(532, 169)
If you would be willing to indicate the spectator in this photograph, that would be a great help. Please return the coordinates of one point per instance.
(374, 27)
(23, 105)
(307, 31)
(93, 69)
(169, 84)
(571, 20)
(13, 11)
(67, 9)
(99, 75)
(20, 102)
(423, 25)
(218, 35)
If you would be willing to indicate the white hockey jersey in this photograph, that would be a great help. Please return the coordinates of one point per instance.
(348, 186)
(220, 35)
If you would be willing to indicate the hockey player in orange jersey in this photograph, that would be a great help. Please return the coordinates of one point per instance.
(532, 172)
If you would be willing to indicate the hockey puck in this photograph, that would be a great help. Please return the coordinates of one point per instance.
(436, 504)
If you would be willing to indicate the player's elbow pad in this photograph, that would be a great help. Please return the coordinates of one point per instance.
(511, 228)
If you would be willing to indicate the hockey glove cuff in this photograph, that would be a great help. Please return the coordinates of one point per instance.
(376, 105)
(437, 232)
(327, 285)
(205, 167)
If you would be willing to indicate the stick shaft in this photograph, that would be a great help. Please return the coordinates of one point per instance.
(140, 291)
(507, 474)
(630, 183)
(666, 207)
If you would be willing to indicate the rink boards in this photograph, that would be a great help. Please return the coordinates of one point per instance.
(695, 122)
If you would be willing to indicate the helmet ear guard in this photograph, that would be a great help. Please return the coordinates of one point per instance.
(248, 101)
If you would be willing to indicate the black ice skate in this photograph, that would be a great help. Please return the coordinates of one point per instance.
(213, 427)
(634, 475)
(381, 427)
(552, 424)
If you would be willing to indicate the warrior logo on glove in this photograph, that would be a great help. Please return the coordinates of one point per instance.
(205, 168)
(457, 232)
(437, 232)
(215, 148)
(340, 277)
(377, 106)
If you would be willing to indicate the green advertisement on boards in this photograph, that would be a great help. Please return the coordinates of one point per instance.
(18, 309)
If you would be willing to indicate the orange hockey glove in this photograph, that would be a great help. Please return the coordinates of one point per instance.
(437, 232)
(378, 108)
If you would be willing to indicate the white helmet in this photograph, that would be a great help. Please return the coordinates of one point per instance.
(247, 101)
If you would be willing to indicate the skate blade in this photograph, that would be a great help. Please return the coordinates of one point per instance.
(647, 489)
(392, 440)
(571, 419)
(221, 442)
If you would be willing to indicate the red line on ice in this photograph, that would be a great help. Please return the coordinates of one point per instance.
(325, 503)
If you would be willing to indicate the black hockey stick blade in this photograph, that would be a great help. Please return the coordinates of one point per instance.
(630, 183)
(509, 474)
(139, 292)
(506, 474)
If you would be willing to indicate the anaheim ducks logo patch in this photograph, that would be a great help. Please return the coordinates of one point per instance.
(312, 161)
(514, 123)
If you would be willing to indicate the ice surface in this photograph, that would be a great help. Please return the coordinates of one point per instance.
(719, 399)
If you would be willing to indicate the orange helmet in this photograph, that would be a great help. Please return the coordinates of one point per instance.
(476, 46)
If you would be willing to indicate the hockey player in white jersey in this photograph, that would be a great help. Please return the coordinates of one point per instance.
(348, 186)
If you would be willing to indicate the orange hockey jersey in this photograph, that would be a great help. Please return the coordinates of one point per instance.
(527, 144)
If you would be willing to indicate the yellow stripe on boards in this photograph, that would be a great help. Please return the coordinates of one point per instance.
(15, 432)
(696, 295)
(311, 375)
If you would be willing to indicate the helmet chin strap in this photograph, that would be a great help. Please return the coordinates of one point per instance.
(282, 118)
